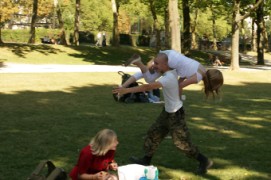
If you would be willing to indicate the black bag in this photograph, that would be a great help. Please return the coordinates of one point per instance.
(130, 97)
(52, 172)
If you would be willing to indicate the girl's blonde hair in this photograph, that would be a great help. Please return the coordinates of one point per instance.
(213, 80)
(101, 142)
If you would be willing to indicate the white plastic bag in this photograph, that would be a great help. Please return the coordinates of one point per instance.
(137, 172)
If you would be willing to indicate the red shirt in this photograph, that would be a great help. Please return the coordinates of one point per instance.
(91, 164)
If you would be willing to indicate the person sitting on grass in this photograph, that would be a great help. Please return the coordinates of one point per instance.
(189, 71)
(97, 158)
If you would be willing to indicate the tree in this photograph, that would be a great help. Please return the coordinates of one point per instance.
(99, 19)
(115, 41)
(186, 27)
(167, 27)
(237, 18)
(260, 37)
(61, 24)
(253, 36)
(7, 8)
(174, 25)
(76, 23)
(33, 22)
(194, 23)
(155, 26)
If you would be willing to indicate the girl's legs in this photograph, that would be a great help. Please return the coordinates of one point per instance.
(136, 60)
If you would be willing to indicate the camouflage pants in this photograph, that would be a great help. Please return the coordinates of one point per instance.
(175, 125)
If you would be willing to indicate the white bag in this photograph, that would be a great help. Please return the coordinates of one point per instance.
(137, 172)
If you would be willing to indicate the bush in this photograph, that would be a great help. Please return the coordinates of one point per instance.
(143, 40)
(86, 37)
(125, 39)
(23, 35)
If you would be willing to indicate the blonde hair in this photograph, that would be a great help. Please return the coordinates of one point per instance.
(101, 142)
(213, 80)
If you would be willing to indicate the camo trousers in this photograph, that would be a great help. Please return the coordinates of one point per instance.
(175, 125)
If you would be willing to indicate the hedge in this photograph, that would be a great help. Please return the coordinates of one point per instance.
(22, 36)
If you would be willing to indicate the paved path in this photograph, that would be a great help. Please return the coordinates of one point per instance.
(50, 68)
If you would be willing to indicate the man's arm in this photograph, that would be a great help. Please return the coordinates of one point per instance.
(131, 80)
(185, 82)
(141, 88)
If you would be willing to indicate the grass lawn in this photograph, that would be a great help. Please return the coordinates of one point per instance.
(53, 115)
(58, 54)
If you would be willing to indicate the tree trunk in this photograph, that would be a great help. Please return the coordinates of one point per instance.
(235, 36)
(1, 41)
(33, 22)
(214, 28)
(194, 44)
(174, 25)
(167, 29)
(237, 18)
(253, 37)
(265, 35)
(244, 42)
(260, 38)
(62, 35)
(155, 27)
(76, 23)
(115, 40)
(186, 27)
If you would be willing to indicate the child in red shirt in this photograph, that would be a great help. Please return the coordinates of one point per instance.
(97, 158)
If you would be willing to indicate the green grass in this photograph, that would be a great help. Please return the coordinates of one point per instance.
(53, 115)
(58, 54)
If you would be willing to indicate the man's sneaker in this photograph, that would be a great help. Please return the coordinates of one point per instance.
(133, 59)
(203, 166)
(141, 161)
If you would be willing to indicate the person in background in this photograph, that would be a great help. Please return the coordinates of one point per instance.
(97, 158)
(104, 40)
(99, 39)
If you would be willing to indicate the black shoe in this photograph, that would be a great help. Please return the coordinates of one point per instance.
(203, 166)
(143, 161)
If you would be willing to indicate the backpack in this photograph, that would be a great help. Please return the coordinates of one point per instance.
(130, 97)
(46, 170)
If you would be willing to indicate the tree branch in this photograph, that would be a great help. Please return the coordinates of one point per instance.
(250, 11)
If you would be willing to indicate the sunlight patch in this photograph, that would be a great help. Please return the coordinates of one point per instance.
(198, 119)
(208, 127)
(232, 133)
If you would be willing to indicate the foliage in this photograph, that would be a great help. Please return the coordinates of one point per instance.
(96, 15)
(7, 9)
(45, 8)
(204, 26)
(22, 35)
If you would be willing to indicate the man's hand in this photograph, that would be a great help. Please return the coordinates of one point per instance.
(119, 90)
(101, 175)
(113, 166)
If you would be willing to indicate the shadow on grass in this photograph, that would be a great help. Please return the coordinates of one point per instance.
(111, 55)
(57, 124)
(97, 55)
(21, 50)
